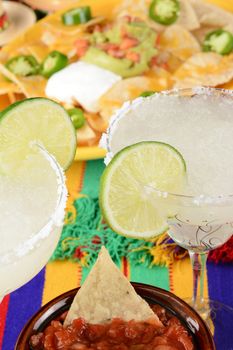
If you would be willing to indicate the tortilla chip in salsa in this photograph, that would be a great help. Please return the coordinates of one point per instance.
(107, 294)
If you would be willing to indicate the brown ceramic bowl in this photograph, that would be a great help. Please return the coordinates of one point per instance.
(197, 328)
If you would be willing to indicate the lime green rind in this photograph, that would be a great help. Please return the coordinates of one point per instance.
(6, 113)
(104, 190)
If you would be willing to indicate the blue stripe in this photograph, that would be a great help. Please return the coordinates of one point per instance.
(24, 302)
(220, 282)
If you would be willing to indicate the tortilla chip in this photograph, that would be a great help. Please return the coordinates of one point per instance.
(228, 85)
(187, 18)
(4, 101)
(38, 50)
(128, 89)
(200, 33)
(54, 23)
(107, 294)
(208, 69)
(86, 136)
(96, 122)
(7, 86)
(32, 86)
(210, 15)
(179, 41)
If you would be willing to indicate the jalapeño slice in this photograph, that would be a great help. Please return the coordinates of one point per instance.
(77, 117)
(164, 11)
(220, 41)
(147, 93)
(52, 63)
(23, 65)
(77, 16)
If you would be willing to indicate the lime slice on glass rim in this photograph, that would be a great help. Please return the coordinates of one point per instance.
(35, 120)
(126, 206)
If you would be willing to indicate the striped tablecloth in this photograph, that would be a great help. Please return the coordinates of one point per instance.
(60, 276)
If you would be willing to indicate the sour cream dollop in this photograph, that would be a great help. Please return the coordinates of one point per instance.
(81, 82)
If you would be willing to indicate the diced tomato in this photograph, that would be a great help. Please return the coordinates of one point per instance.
(3, 19)
(96, 331)
(36, 341)
(49, 342)
(108, 46)
(97, 28)
(158, 40)
(63, 339)
(56, 325)
(116, 332)
(112, 50)
(164, 65)
(128, 43)
(124, 33)
(133, 56)
(80, 326)
(131, 331)
(81, 46)
(153, 61)
(127, 18)
(111, 46)
(116, 53)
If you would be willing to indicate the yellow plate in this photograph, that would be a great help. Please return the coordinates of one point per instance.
(102, 7)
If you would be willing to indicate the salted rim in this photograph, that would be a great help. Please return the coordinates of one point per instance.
(56, 218)
(105, 140)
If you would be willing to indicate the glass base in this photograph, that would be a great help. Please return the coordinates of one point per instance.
(215, 314)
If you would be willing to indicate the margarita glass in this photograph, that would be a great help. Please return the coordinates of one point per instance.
(199, 216)
(198, 224)
(32, 232)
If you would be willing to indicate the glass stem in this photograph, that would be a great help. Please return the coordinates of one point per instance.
(198, 261)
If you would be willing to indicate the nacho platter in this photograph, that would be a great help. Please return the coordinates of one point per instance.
(175, 59)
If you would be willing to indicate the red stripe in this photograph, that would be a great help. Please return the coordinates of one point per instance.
(3, 313)
(125, 267)
(171, 282)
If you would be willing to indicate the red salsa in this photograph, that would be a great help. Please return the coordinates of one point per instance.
(115, 335)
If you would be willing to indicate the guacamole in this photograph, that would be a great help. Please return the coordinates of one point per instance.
(126, 48)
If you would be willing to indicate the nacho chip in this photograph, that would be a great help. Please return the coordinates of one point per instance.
(38, 50)
(107, 294)
(56, 26)
(128, 89)
(96, 122)
(228, 85)
(179, 42)
(201, 33)
(7, 86)
(31, 86)
(210, 15)
(208, 69)
(86, 136)
(187, 18)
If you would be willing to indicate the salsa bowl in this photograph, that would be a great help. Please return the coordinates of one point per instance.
(196, 327)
